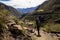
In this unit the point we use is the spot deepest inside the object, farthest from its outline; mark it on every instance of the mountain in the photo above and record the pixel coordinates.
(27, 10)
(48, 7)
(36, 8)
(13, 10)
(42, 5)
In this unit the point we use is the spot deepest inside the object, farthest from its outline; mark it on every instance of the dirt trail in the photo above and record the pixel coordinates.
(44, 36)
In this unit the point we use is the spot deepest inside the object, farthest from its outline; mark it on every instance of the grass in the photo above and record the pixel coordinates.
(52, 27)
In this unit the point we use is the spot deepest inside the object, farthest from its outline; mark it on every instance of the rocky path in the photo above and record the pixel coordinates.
(44, 36)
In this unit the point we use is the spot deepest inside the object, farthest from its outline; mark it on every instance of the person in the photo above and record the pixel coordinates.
(38, 26)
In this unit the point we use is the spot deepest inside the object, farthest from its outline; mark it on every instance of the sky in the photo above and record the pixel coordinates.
(22, 3)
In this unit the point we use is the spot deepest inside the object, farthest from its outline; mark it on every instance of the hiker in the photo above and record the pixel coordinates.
(38, 26)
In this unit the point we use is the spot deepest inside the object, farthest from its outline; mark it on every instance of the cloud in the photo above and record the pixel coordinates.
(23, 3)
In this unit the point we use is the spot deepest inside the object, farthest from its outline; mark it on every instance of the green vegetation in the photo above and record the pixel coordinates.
(51, 27)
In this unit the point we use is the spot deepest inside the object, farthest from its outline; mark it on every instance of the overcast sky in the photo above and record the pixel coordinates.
(22, 3)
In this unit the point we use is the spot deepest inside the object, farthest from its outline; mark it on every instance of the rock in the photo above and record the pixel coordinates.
(18, 26)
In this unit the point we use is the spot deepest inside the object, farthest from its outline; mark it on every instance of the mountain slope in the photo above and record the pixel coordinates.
(13, 10)
(42, 5)
(49, 6)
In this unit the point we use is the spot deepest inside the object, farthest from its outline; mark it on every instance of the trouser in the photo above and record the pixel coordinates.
(38, 29)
